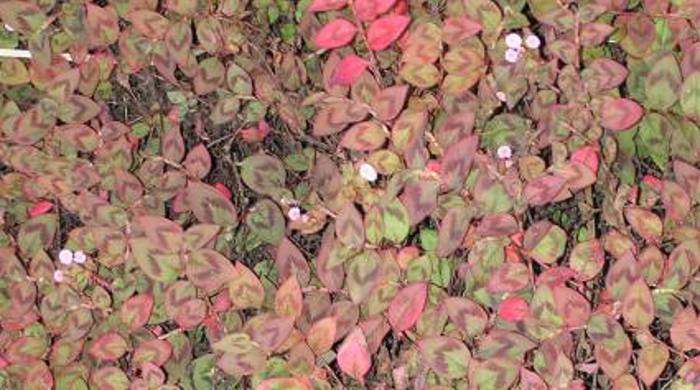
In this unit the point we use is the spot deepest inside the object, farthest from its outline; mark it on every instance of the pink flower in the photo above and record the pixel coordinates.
(504, 152)
(79, 257)
(58, 276)
(368, 172)
(294, 214)
(513, 41)
(65, 256)
(512, 55)
(501, 96)
(532, 41)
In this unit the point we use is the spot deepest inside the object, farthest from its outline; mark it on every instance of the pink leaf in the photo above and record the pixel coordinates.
(349, 69)
(327, 5)
(337, 33)
(368, 10)
(384, 31)
(588, 156)
(407, 306)
(353, 355)
(620, 114)
(513, 309)
(40, 208)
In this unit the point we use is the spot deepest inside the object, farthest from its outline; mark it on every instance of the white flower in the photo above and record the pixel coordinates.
(368, 172)
(294, 214)
(58, 276)
(501, 96)
(532, 41)
(513, 41)
(79, 257)
(512, 55)
(504, 152)
(65, 256)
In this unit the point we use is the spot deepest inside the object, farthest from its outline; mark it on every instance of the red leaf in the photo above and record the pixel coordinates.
(349, 69)
(327, 5)
(620, 114)
(407, 306)
(40, 208)
(353, 355)
(384, 31)
(513, 309)
(588, 156)
(337, 33)
(368, 10)
(223, 190)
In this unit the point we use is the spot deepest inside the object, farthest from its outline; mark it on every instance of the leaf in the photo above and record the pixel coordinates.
(612, 347)
(363, 275)
(326, 5)
(509, 277)
(37, 233)
(210, 75)
(210, 206)
(149, 23)
(246, 290)
(453, 228)
(353, 356)
(652, 361)
(13, 72)
(321, 335)
(396, 221)
(349, 227)
(208, 269)
(603, 74)
(365, 136)
(25, 17)
(337, 116)
(172, 144)
(198, 162)
(663, 83)
(334, 34)
(690, 96)
(513, 309)
(109, 347)
(349, 69)
(545, 242)
(645, 223)
(457, 29)
(102, 25)
(77, 109)
(447, 356)
(620, 114)
(407, 306)
(288, 299)
(164, 234)
(26, 349)
(385, 30)
(457, 161)
(110, 378)
(290, 261)
(264, 174)
(685, 330)
(368, 10)
(389, 102)
(638, 306)
(136, 310)
(265, 219)
(155, 351)
(587, 259)
(225, 110)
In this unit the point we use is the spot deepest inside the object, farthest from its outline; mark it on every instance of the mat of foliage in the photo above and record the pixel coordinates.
(328, 194)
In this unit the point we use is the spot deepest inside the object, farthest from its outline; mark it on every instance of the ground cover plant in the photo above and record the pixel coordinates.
(329, 194)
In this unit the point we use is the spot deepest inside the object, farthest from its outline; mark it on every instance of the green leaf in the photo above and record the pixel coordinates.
(396, 221)
(690, 96)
